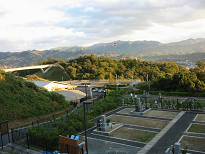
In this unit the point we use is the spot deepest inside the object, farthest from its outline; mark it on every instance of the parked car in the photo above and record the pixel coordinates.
(101, 90)
(95, 90)
(87, 84)
(119, 83)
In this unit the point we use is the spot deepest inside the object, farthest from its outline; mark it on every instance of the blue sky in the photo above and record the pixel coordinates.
(44, 24)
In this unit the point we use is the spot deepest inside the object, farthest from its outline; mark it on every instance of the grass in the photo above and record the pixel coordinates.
(197, 128)
(139, 121)
(43, 118)
(200, 117)
(133, 134)
(54, 74)
(193, 143)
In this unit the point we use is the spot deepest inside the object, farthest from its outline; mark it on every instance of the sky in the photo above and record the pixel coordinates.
(45, 24)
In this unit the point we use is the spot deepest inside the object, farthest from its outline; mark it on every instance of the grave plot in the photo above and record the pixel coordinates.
(153, 113)
(194, 135)
(162, 114)
(126, 111)
(152, 123)
(197, 128)
(134, 134)
(193, 143)
(200, 117)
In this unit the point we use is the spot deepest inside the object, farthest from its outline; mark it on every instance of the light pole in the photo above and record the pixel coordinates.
(85, 127)
(116, 83)
(132, 76)
(86, 92)
(115, 44)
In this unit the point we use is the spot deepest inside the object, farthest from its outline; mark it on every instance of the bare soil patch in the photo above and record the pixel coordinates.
(133, 134)
(126, 111)
(162, 114)
(200, 117)
(153, 113)
(113, 127)
(153, 123)
(193, 143)
(43, 118)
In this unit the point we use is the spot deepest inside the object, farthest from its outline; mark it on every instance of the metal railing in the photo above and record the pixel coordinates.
(22, 138)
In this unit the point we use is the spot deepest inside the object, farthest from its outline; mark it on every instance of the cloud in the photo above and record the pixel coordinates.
(43, 24)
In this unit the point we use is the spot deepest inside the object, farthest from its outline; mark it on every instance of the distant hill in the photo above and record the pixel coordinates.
(125, 49)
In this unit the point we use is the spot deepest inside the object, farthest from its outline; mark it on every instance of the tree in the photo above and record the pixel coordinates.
(71, 72)
(111, 80)
(201, 65)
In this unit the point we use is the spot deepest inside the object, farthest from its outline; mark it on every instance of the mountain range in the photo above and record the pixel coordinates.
(125, 49)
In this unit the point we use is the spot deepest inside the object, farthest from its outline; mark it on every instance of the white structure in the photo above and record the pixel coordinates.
(30, 67)
(53, 85)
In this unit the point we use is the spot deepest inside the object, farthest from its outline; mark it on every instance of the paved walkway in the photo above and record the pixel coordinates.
(158, 137)
(174, 133)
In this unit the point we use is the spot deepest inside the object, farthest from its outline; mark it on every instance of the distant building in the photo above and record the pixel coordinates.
(54, 85)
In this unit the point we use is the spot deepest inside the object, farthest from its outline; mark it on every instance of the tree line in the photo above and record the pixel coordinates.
(158, 75)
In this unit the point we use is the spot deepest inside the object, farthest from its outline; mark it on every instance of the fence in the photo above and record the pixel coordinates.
(21, 137)
(18, 134)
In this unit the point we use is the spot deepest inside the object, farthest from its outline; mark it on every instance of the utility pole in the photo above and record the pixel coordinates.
(115, 44)
(116, 83)
(132, 76)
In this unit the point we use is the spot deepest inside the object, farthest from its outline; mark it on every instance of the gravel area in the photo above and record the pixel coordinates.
(96, 146)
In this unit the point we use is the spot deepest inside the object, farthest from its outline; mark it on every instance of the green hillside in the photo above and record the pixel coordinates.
(54, 74)
(20, 99)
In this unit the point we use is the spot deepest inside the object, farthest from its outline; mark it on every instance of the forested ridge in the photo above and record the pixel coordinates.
(125, 49)
(161, 75)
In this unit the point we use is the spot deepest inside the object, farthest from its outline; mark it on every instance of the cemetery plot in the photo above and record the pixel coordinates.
(153, 113)
(153, 123)
(126, 111)
(162, 114)
(197, 128)
(113, 128)
(134, 134)
(193, 143)
(200, 117)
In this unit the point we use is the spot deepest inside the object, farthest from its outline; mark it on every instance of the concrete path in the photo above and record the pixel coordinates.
(158, 137)
(174, 132)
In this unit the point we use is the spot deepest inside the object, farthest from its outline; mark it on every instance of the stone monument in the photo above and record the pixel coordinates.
(139, 108)
(138, 105)
(144, 95)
